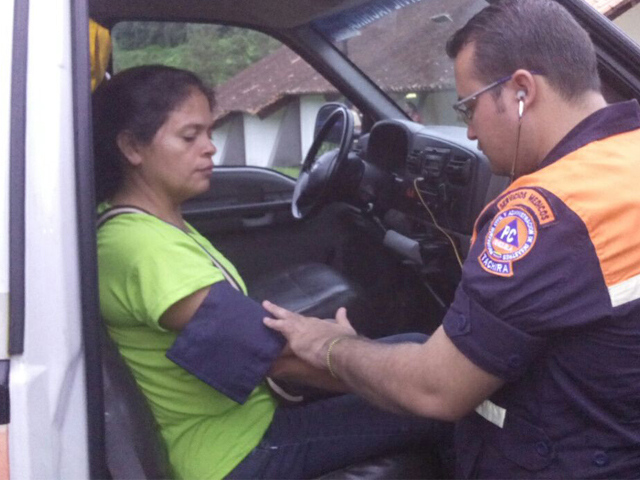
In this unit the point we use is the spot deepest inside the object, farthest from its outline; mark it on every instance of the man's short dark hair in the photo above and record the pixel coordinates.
(537, 35)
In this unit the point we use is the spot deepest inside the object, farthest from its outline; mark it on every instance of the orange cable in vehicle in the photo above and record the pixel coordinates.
(455, 250)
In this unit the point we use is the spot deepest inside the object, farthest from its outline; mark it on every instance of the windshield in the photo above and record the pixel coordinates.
(400, 45)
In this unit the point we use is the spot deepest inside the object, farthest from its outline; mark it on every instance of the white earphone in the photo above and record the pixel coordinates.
(520, 96)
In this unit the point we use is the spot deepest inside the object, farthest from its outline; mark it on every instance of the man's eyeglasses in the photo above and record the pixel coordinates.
(465, 111)
(462, 107)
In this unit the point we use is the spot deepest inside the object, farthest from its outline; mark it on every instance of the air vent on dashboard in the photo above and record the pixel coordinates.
(414, 162)
(459, 170)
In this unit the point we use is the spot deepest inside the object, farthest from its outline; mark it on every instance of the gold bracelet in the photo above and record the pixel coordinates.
(333, 343)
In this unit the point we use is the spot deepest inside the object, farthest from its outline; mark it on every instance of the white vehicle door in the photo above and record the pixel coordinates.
(40, 267)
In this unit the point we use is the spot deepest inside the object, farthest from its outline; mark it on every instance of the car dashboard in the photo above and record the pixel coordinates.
(423, 180)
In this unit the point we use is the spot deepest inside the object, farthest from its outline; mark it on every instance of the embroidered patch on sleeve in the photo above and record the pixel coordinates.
(511, 236)
(529, 198)
(532, 199)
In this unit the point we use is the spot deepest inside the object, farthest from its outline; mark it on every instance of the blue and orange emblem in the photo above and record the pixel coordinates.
(510, 238)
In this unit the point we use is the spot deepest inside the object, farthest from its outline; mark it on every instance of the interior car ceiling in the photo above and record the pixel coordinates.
(259, 13)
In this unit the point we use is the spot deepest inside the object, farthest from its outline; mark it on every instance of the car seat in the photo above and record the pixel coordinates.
(315, 290)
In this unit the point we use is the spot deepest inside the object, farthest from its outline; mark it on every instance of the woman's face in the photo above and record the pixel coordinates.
(177, 164)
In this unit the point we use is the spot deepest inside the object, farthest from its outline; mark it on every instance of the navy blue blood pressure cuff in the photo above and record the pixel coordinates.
(226, 345)
(489, 342)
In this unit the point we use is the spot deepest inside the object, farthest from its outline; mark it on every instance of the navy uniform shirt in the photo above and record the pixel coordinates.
(550, 302)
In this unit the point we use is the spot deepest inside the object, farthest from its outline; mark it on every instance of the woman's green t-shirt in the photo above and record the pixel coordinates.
(145, 266)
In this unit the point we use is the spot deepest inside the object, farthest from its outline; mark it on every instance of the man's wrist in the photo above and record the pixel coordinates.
(330, 349)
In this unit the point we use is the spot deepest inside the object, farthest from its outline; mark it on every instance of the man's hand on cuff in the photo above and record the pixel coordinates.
(309, 338)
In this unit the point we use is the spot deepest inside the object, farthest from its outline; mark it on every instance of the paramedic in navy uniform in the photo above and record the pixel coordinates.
(538, 358)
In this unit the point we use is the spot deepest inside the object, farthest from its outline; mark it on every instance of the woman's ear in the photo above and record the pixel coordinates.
(129, 147)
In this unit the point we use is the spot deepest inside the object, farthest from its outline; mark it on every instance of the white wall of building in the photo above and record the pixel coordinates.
(309, 106)
(629, 21)
(260, 136)
(219, 138)
(437, 108)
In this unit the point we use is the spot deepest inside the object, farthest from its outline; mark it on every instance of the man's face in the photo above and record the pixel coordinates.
(491, 124)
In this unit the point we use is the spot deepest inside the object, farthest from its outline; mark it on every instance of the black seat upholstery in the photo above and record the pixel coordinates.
(134, 447)
(314, 290)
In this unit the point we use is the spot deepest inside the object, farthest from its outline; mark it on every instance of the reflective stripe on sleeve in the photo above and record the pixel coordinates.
(625, 292)
(492, 412)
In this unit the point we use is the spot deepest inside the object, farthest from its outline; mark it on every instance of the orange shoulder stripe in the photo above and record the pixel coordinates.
(601, 184)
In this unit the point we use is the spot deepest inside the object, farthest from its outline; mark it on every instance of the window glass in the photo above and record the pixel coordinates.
(267, 96)
(401, 46)
(628, 19)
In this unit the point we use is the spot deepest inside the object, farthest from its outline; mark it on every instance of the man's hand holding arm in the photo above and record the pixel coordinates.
(433, 380)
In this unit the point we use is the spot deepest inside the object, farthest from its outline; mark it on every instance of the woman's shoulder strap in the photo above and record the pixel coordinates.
(113, 212)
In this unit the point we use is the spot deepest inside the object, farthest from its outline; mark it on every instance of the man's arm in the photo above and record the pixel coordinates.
(433, 380)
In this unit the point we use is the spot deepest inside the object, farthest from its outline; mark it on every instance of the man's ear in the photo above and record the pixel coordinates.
(129, 147)
(525, 86)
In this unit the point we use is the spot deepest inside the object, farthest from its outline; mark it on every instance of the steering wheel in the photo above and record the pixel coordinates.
(318, 174)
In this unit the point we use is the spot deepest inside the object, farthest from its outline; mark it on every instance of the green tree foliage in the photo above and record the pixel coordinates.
(214, 52)
(136, 35)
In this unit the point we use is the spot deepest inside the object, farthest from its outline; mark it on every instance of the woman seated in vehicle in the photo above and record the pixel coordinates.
(178, 311)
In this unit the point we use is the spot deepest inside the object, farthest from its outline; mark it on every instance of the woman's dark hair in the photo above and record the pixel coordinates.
(139, 101)
(537, 35)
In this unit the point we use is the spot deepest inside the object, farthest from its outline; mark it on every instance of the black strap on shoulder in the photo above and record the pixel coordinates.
(113, 212)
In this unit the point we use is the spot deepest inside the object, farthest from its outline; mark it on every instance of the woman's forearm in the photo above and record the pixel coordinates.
(291, 368)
